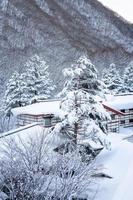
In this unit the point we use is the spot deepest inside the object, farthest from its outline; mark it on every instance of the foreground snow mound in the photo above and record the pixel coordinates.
(118, 164)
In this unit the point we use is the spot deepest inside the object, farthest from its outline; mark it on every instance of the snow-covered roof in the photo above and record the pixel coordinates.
(53, 106)
(120, 102)
(41, 108)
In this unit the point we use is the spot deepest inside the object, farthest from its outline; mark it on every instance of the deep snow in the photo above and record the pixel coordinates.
(116, 162)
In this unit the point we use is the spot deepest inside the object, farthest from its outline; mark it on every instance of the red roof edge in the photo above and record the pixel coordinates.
(113, 110)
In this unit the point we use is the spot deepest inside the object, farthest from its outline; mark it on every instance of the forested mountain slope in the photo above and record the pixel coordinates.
(60, 30)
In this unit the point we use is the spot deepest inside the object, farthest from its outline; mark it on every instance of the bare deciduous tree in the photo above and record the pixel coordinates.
(30, 169)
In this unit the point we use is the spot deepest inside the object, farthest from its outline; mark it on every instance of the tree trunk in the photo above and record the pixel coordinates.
(75, 133)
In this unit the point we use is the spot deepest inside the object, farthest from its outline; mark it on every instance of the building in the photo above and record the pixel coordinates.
(121, 110)
(44, 113)
(47, 113)
(116, 115)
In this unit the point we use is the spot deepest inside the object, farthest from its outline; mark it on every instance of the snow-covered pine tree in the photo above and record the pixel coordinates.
(85, 117)
(12, 95)
(128, 78)
(33, 84)
(112, 79)
(24, 88)
(38, 83)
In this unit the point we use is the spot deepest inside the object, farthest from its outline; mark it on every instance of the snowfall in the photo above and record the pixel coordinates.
(116, 162)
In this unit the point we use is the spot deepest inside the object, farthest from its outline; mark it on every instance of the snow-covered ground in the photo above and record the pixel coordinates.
(127, 133)
(116, 162)
(31, 132)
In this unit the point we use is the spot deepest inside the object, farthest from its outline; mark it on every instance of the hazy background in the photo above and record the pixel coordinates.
(122, 7)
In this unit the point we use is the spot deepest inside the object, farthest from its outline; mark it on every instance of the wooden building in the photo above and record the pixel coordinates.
(120, 108)
(46, 113)
(114, 124)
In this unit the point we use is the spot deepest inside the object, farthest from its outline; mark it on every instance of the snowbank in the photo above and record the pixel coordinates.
(118, 164)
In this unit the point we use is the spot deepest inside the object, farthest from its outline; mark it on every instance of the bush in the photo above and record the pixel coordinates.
(29, 169)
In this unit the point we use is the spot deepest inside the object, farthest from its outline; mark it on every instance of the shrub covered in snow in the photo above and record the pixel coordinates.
(32, 171)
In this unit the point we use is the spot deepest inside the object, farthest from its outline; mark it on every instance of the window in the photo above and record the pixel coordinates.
(112, 116)
(131, 110)
(114, 129)
(47, 122)
(122, 121)
(123, 111)
(130, 120)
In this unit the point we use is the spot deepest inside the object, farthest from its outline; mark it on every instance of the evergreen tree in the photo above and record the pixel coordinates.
(128, 78)
(112, 79)
(38, 84)
(85, 117)
(12, 94)
(25, 89)
(30, 85)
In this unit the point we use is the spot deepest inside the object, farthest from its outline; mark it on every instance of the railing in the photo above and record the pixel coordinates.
(18, 130)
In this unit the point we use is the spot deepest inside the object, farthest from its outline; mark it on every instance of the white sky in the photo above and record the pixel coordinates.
(122, 7)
